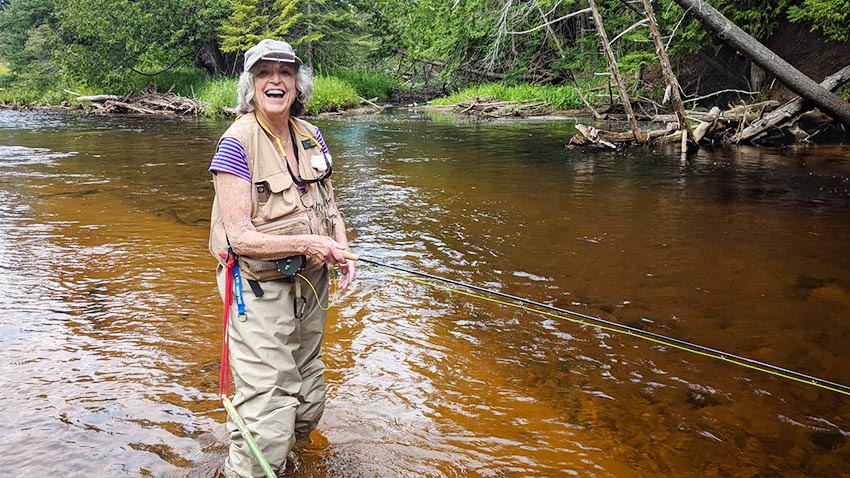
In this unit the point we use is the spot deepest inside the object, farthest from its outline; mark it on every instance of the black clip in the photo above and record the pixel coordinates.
(290, 266)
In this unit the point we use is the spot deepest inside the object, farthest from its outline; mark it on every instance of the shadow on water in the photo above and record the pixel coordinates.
(114, 335)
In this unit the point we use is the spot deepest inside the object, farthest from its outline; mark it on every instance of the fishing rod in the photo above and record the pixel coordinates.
(598, 322)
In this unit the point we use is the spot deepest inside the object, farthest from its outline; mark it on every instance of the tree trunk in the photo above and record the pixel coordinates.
(211, 59)
(788, 110)
(667, 72)
(761, 55)
(612, 63)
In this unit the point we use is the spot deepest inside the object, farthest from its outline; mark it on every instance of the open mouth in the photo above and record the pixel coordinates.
(274, 93)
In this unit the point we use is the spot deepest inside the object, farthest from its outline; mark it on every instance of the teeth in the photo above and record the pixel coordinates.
(274, 92)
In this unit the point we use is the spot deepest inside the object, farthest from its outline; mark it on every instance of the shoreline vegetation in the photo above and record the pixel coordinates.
(697, 72)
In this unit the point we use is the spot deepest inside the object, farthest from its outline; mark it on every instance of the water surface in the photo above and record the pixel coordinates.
(110, 342)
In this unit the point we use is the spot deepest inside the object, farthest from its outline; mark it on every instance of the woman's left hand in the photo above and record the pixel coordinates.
(348, 269)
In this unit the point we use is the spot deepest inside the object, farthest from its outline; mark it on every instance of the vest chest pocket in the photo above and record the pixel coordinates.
(276, 196)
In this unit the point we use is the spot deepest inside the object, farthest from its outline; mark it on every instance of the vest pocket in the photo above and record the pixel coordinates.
(260, 269)
(275, 196)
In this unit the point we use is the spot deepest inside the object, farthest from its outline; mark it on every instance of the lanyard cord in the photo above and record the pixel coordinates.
(279, 144)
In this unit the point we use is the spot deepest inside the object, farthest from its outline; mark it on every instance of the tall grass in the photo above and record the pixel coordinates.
(218, 93)
(331, 94)
(369, 84)
(556, 97)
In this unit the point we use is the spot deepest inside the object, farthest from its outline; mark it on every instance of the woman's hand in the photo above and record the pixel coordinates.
(348, 271)
(325, 249)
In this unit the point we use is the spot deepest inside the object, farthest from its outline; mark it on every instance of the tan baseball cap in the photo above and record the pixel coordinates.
(272, 50)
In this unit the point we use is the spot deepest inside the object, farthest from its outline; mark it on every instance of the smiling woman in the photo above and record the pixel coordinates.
(274, 208)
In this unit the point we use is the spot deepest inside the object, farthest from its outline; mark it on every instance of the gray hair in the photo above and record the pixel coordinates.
(303, 85)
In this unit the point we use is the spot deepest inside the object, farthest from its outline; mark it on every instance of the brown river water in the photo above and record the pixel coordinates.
(111, 333)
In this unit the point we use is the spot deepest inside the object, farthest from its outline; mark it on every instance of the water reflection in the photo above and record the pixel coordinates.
(112, 338)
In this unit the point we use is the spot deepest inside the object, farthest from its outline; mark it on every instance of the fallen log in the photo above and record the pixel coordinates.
(589, 135)
(748, 46)
(99, 98)
(789, 109)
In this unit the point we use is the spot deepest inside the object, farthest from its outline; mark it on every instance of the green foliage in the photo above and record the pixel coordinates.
(104, 46)
(105, 39)
(832, 17)
(25, 27)
(218, 93)
(557, 97)
(180, 81)
(331, 94)
(330, 33)
(759, 18)
(368, 83)
(253, 20)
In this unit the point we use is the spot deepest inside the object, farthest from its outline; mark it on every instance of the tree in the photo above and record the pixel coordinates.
(253, 20)
(105, 39)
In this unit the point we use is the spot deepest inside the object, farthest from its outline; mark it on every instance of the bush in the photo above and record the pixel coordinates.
(219, 93)
(331, 94)
(369, 84)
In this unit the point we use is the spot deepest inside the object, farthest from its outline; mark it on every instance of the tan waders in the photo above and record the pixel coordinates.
(276, 361)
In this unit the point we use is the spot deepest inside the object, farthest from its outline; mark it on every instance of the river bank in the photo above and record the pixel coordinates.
(764, 123)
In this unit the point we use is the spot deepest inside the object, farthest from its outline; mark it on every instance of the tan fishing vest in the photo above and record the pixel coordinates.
(278, 206)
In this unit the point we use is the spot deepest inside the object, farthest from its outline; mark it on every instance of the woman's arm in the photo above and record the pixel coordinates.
(234, 195)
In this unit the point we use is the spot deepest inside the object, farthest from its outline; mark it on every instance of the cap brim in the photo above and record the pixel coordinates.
(280, 57)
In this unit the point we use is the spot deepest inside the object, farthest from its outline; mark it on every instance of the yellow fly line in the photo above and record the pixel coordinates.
(718, 356)
(591, 321)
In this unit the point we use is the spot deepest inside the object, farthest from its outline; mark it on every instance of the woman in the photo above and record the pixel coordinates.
(274, 215)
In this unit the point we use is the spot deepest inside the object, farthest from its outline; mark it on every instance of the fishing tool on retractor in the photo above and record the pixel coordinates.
(603, 324)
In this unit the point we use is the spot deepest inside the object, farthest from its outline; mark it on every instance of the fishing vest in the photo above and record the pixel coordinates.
(277, 204)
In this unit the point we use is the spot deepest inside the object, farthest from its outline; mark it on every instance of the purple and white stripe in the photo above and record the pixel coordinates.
(321, 141)
(230, 158)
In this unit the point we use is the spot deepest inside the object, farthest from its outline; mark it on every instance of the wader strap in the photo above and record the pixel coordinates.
(255, 287)
(300, 302)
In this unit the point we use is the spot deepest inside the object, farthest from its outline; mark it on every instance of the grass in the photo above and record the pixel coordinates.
(369, 84)
(332, 94)
(557, 97)
(218, 93)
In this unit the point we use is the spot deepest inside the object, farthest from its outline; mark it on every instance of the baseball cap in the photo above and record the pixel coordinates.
(272, 50)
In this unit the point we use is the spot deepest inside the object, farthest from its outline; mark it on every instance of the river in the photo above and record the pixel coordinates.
(110, 340)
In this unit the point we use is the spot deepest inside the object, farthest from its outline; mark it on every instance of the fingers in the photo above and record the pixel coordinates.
(325, 249)
(348, 272)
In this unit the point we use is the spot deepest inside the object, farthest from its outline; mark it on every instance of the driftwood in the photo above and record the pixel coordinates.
(787, 111)
(99, 98)
(149, 104)
(791, 77)
(490, 108)
(591, 136)
(716, 126)
(371, 103)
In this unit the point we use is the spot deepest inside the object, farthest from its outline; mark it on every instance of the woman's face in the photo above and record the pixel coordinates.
(274, 86)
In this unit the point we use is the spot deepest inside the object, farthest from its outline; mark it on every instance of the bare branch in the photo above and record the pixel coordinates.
(694, 100)
(641, 22)
(586, 10)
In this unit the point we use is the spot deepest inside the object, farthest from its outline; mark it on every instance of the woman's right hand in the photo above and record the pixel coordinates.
(325, 249)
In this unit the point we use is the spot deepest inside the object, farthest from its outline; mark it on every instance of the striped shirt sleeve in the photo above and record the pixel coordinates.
(230, 158)
(321, 141)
